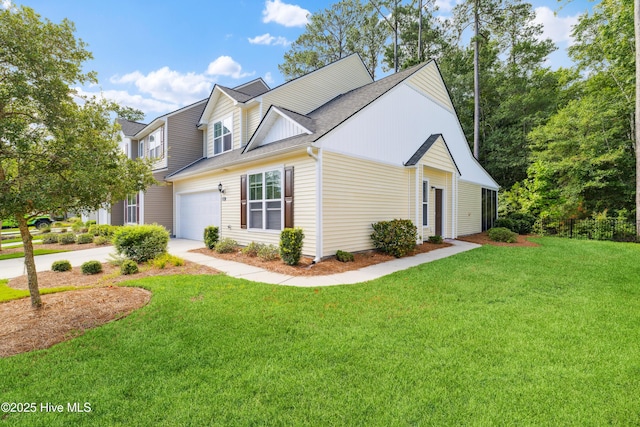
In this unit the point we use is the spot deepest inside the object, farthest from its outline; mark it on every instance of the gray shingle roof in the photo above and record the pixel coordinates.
(254, 88)
(424, 148)
(236, 95)
(323, 120)
(130, 128)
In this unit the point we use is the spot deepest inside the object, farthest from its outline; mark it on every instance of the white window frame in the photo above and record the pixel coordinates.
(221, 137)
(264, 201)
(425, 186)
(131, 208)
(156, 145)
(141, 148)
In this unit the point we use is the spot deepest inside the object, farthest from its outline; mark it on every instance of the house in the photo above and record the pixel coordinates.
(333, 152)
(171, 141)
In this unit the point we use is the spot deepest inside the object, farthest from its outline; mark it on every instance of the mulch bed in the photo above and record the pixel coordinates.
(483, 239)
(327, 266)
(53, 246)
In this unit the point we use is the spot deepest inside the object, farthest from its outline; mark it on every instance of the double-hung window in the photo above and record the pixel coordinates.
(265, 200)
(132, 209)
(222, 135)
(156, 145)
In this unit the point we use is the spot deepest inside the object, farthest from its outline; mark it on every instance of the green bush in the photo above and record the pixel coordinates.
(252, 249)
(211, 236)
(268, 252)
(62, 265)
(436, 240)
(77, 225)
(93, 229)
(226, 245)
(141, 242)
(101, 240)
(85, 238)
(291, 245)
(90, 222)
(343, 256)
(104, 230)
(48, 239)
(44, 229)
(397, 237)
(66, 238)
(91, 267)
(128, 266)
(502, 234)
(518, 222)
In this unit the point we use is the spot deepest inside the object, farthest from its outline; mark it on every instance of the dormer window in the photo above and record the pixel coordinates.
(156, 145)
(222, 135)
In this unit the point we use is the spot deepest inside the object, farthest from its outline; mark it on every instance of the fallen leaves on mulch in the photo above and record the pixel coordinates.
(483, 239)
(327, 266)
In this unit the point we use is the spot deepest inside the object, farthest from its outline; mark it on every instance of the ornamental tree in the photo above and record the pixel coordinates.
(58, 152)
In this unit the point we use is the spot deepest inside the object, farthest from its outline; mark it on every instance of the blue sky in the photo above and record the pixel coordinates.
(161, 55)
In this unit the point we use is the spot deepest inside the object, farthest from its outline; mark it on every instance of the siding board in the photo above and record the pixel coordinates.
(469, 208)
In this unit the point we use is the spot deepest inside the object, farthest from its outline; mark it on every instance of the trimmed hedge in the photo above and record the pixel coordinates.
(502, 234)
(66, 238)
(211, 236)
(436, 240)
(91, 267)
(141, 242)
(48, 239)
(84, 238)
(343, 256)
(226, 246)
(396, 237)
(128, 266)
(291, 245)
(60, 266)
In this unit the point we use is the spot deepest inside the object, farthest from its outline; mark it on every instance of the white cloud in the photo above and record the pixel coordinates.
(226, 66)
(6, 4)
(147, 105)
(268, 39)
(445, 5)
(167, 85)
(556, 28)
(268, 78)
(289, 15)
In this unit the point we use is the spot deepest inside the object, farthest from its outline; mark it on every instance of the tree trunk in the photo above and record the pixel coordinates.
(476, 82)
(29, 262)
(636, 20)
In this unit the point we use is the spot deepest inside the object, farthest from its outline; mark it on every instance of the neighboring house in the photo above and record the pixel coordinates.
(333, 152)
(171, 141)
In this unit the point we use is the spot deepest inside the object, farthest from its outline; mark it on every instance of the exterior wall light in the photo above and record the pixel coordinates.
(220, 189)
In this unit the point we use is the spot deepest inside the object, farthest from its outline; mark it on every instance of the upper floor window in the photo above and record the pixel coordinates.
(141, 148)
(156, 145)
(222, 135)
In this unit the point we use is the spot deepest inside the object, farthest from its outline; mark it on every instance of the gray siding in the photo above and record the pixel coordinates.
(183, 138)
(158, 204)
(117, 213)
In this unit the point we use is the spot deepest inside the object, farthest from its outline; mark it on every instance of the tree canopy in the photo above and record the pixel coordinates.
(53, 145)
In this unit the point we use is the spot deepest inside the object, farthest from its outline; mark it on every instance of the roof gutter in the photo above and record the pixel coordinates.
(318, 160)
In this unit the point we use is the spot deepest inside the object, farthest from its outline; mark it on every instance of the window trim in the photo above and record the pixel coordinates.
(264, 200)
(213, 135)
(128, 206)
(425, 182)
(158, 144)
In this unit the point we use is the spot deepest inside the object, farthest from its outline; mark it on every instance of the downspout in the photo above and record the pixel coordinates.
(318, 159)
(418, 222)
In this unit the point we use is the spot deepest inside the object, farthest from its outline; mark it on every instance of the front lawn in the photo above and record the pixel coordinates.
(542, 335)
(36, 252)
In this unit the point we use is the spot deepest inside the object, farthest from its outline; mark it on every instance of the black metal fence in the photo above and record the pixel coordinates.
(594, 229)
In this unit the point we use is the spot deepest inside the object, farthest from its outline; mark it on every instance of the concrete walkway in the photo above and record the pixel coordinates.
(181, 248)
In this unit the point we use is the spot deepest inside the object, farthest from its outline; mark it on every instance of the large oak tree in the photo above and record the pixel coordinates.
(57, 152)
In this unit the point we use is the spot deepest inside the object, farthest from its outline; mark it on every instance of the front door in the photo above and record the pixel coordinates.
(439, 215)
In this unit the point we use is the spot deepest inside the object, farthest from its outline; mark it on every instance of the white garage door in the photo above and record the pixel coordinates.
(197, 211)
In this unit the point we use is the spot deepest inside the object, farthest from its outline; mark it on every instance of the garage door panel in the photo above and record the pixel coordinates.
(197, 211)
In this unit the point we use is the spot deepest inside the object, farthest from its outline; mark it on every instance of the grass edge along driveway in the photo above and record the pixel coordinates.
(545, 335)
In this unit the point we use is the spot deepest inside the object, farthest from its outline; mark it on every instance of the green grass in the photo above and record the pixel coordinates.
(519, 336)
(36, 252)
(8, 294)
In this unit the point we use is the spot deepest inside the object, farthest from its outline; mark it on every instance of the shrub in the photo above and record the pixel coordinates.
(141, 242)
(46, 228)
(436, 240)
(128, 266)
(291, 245)
(397, 237)
(62, 265)
(161, 261)
(518, 222)
(226, 246)
(502, 234)
(343, 256)
(211, 236)
(268, 252)
(91, 267)
(50, 238)
(252, 249)
(77, 225)
(101, 240)
(93, 229)
(85, 238)
(104, 230)
(90, 222)
(66, 238)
